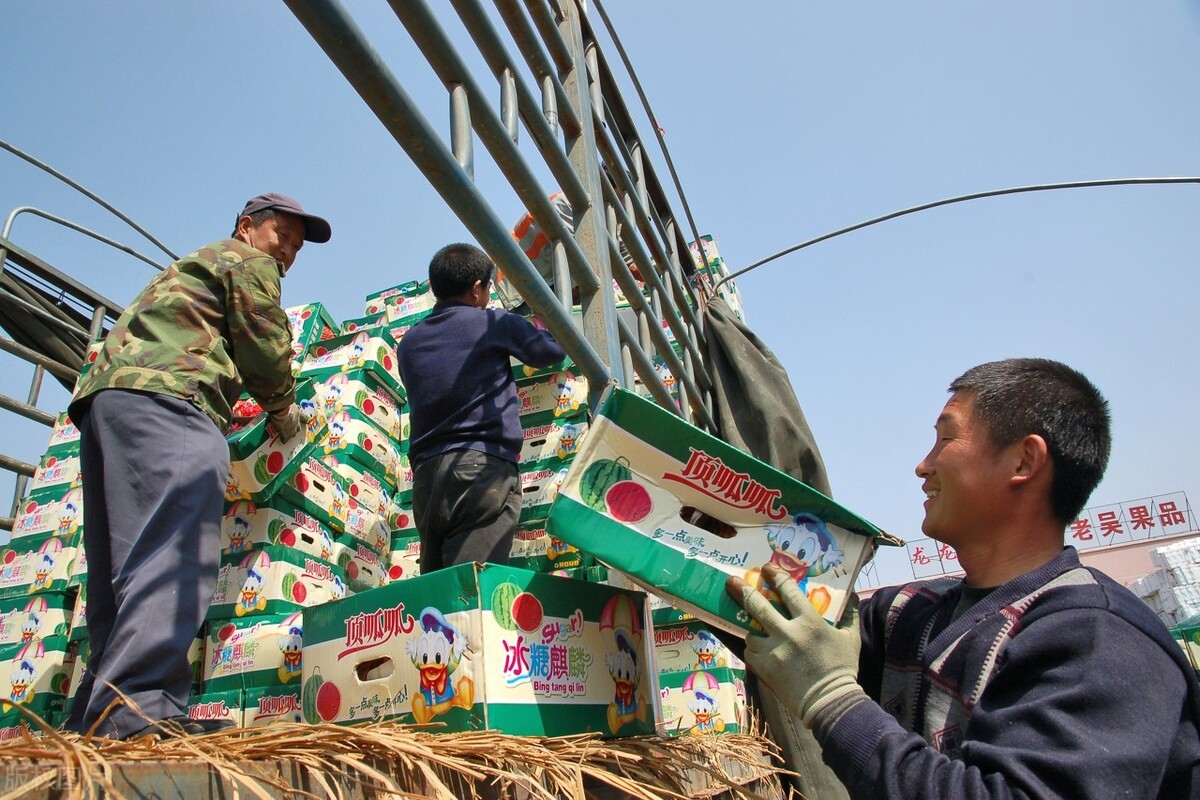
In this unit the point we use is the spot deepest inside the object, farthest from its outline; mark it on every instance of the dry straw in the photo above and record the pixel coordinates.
(383, 759)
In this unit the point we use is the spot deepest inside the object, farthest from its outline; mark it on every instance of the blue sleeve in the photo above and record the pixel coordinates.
(1084, 706)
(529, 345)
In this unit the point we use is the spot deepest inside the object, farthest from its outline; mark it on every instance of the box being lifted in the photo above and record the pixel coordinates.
(679, 511)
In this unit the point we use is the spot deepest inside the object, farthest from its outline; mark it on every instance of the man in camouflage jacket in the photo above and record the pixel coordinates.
(152, 412)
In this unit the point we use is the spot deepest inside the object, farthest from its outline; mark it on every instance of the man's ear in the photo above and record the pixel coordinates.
(244, 225)
(1032, 456)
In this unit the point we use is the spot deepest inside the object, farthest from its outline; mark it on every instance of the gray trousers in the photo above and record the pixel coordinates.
(465, 505)
(154, 470)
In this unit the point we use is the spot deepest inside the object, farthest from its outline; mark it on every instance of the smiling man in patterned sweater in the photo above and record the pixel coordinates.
(1032, 676)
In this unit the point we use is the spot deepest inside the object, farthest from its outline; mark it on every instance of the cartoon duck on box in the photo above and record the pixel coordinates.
(437, 654)
(251, 598)
(801, 548)
(568, 443)
(704, 704)
(621, 626)
(292, 646)
(706, 646)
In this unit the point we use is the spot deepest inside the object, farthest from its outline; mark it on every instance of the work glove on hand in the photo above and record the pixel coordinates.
(810, 665)
(287, 423)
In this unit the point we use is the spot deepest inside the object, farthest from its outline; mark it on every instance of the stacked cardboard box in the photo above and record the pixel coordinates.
(1172, 590)
(702, 682)
(484, 646)
(37, 594)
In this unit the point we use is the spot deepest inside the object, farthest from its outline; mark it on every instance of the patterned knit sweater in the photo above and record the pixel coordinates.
(1059, 683)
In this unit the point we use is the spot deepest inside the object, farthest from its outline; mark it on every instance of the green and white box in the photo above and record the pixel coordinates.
(223, 706)
(684, 643)
(23, 619)
(64, 436)
(269, 705)
(680, 511)
(560, 395)
(273, 580)
(361, 391)
(60, 516)
(248, 652)
(310, 323)
(703, 702)
(249, 526)
(36, 564)
(260, 462)
(484, 646)
(373, 350)
(556, 441)
(539, 486)
(57, 474)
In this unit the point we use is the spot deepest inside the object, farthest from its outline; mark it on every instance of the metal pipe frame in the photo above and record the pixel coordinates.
(599, 165)
(78, 229)
(347, 47)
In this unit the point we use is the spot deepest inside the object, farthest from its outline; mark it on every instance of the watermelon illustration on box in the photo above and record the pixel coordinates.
(679, 511)
(483, 646)
(703, 702)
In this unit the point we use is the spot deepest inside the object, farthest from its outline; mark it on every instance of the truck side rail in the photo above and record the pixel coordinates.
(584, 134)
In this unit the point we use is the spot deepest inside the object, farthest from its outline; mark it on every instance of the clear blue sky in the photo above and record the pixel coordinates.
(785, 120)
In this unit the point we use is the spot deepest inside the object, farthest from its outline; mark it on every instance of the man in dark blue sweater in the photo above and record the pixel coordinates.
(465, 432)
(1031, 676)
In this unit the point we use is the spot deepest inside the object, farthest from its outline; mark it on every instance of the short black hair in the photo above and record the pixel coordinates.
(257, 218)
(454, 269)
(1021, 396)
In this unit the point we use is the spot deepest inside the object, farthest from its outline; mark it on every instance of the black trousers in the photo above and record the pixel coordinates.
(154, 470)
(465, 504)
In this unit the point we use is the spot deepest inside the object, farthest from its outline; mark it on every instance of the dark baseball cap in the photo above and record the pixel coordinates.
(316, 229)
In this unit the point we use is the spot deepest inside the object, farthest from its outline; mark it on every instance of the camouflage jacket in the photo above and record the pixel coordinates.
(202, 330)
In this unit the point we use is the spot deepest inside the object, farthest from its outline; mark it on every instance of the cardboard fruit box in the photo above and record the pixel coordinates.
(23, 619)
(61, 516)
(483, 646)
(703, 702)
(35, 674)
(248, 652)
(539, 486)
(679, 511)
(361, 391)
(57, 474)
(555, 441)
(260, 462)
(273, 580)
(249, 526)
(353, 437)
(36, 564)
(534, 549)
(404, 558)
(560, 395)
(64, 437)
(372, 350)
(310, 323)
(684, 643)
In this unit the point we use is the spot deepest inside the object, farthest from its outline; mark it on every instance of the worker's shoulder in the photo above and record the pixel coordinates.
(227, 253)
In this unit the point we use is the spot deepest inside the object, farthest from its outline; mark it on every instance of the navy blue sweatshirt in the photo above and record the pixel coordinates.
(456, 368)
(1060, 683)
